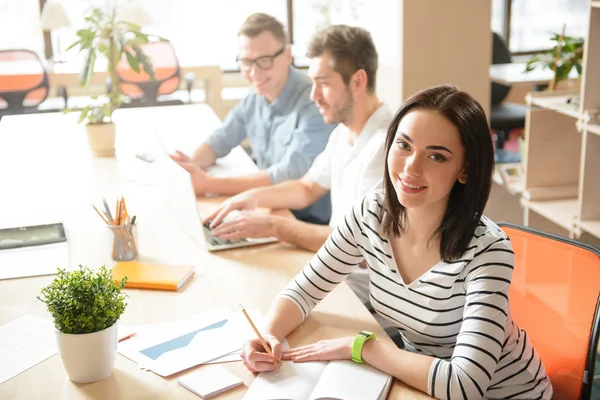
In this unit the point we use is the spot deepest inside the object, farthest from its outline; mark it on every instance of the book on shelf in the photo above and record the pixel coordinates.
(513, 174)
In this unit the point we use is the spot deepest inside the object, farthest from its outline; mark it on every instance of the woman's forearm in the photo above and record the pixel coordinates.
(410, 368)
(284, 317)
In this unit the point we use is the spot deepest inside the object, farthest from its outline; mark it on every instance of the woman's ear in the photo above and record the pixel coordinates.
(462, 178)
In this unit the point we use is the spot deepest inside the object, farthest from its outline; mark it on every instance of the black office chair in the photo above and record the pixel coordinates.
(504, 116)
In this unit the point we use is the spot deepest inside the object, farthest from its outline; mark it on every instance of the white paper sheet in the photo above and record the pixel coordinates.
(33, 261)
(25, 342)
(206, 347)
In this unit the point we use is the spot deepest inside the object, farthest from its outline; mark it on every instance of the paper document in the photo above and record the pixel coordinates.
(209, 382)
(24, 343)
(214, 336)
(33, 261)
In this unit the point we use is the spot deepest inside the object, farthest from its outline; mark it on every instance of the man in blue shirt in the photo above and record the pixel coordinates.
(284, 127)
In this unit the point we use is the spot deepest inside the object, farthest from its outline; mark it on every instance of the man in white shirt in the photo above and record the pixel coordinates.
(342, 68)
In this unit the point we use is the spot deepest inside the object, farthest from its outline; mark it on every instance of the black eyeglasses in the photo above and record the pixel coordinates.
(264, 62)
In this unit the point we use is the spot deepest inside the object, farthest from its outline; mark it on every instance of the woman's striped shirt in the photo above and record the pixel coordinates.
(457, 312)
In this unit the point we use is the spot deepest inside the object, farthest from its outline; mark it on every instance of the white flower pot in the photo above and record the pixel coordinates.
(88, 357)
(102, 139)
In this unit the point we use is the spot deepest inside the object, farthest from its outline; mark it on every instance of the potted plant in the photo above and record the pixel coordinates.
(562, 58)
(110, 38)
(85, 306)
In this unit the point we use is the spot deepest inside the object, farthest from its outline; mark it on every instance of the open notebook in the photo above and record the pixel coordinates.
(338, 380)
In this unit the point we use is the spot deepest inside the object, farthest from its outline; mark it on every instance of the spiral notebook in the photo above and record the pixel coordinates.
(209, 382)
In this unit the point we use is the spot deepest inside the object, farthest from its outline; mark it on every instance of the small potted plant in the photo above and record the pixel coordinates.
(561, 59)
(85, 306)
(110, 38)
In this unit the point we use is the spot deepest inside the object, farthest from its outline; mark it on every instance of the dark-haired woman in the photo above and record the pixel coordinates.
(439, 270)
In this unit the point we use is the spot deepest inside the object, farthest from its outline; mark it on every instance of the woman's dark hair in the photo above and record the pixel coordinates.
(467, 201)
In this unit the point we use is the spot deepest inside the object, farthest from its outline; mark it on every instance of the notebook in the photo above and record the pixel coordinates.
(209, 382)
(152, 276)
(338, 380)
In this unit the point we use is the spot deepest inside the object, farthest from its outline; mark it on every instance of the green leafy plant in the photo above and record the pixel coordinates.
(84, 300)
(562, 58)
(106, 36)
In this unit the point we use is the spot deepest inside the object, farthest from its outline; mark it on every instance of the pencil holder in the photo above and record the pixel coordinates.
(124, 242)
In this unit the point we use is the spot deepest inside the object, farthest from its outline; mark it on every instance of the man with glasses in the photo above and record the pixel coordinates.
(284, 127)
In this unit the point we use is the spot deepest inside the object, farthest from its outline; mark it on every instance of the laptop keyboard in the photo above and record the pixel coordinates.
(217, 241)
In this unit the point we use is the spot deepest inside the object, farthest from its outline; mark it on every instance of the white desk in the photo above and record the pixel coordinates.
(514, 73)
(47, 172)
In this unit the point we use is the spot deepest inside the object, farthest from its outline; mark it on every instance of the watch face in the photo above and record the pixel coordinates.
(26, 236)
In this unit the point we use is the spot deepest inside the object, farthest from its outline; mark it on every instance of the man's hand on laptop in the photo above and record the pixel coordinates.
(247, 224)
(180, 157)
(243, 201)
(201, 180)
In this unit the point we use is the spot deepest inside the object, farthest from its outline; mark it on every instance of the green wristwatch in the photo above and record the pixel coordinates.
(358, 343)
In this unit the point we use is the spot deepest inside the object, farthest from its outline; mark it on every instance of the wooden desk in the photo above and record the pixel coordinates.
(47, 168)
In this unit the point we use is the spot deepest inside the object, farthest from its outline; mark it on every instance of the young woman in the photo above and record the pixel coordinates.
(439, 270)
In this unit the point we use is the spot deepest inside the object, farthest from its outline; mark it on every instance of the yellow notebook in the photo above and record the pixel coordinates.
(152, 276)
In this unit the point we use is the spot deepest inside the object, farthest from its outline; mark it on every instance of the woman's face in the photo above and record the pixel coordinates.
(425, 160)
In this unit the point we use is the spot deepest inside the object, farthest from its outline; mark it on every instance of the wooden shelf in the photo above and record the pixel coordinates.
(561, 212)
(593, 128)
(591, 227)
(595, 4)
(551, 193)
(555, 102)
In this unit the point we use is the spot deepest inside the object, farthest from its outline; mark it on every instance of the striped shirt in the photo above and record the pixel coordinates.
(457, 312)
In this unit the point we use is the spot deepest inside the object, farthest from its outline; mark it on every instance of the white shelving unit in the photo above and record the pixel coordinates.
(562, 156)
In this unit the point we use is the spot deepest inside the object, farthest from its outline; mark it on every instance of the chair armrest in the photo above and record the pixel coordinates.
(61, 91)
(190, 77)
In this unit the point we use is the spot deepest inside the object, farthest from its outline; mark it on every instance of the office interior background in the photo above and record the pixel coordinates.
(420, 43)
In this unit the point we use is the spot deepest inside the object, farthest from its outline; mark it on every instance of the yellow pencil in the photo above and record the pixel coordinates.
(262, 340)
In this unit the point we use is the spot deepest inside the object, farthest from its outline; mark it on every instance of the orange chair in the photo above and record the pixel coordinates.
(554, 297)
(140, 88)
(23, 81)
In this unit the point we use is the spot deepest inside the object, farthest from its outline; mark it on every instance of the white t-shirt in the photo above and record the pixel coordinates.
(352, 171)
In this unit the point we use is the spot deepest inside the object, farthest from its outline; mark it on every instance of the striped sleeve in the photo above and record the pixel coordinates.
(336, 259)
(468, 373)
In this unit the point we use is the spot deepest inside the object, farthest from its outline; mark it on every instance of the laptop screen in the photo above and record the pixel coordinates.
(176, 186)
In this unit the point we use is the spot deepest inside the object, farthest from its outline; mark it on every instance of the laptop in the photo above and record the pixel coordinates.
(181, 204)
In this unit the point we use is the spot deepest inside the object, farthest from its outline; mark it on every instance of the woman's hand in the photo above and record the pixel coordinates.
(256, 359)
(324, 350)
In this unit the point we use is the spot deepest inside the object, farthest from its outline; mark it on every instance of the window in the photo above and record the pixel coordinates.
(20, 25)
(532, 22)
(201, 32)
(311, 15)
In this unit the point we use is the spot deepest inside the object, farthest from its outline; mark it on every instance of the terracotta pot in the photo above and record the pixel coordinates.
(102, 139)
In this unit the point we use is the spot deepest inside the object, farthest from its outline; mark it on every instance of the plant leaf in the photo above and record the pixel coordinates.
(85, 33)
(131, 25)
(133, 62)
(144, 60)
(73, 45)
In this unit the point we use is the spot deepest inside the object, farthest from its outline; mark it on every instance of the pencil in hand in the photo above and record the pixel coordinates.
(260, 338)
